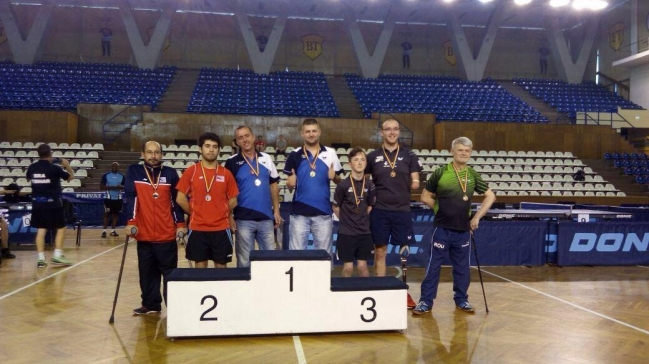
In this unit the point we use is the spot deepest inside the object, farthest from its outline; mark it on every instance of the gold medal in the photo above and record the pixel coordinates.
(208, 187)
(393, 164)
(357, 198)
(312, 174)
(459, 180)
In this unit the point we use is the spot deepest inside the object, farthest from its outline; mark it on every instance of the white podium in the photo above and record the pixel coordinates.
(283, 292)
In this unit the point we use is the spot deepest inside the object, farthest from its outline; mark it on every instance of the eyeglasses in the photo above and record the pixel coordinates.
(390, 129)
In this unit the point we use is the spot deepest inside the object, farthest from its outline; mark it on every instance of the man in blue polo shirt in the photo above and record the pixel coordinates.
(257, 213)
(112, 182)
(310, 169)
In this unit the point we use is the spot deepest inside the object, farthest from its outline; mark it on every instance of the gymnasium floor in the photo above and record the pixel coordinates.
(537, 315)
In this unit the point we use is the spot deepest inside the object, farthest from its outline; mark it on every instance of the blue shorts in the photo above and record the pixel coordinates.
(394, 227)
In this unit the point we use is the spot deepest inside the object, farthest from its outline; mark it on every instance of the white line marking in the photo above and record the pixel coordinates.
(301, 359)
(642, 266)
(570, 303)
(57, 273)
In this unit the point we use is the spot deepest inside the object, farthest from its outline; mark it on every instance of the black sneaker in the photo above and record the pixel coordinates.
(103, 235)
(143, 311)
(114, 233)
(466, 307)
(6, 254)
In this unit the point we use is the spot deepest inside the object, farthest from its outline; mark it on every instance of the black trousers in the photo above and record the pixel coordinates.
(155, 260)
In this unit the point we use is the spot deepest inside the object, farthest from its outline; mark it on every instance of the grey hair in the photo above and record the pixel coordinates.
(462, 140)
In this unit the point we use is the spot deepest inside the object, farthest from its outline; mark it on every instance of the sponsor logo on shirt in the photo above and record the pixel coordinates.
(400, 158)
(163, 179)
(220, 178)
(379, 158)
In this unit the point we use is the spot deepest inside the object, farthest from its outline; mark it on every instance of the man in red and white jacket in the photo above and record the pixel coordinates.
(150, 191)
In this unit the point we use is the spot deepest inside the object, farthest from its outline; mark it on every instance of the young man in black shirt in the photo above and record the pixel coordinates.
(353, 201)
(47, 203)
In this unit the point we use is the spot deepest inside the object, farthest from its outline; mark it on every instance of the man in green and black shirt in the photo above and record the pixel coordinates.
(448, 191)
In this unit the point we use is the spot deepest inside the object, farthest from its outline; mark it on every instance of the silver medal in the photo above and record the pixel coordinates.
(257, 182)
(208, 198)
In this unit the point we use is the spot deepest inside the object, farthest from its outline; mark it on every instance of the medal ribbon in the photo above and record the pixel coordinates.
(154, 185)
(356, 199)
(391, 163)
(315, 157)
(255, 171)
(209, 187)
(466, 178)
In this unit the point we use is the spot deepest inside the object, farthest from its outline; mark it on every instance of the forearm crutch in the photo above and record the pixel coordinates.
(475, 251)
(121, 269)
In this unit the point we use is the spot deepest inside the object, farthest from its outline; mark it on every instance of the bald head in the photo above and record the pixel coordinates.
(152, 153)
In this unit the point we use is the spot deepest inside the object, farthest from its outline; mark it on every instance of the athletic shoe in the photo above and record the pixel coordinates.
(466, 307)
(41, 264)
(62, 260)
(6, 254)
(410, 303)
(143, 311)
(114, 233)
(103, 235)
(421, 308)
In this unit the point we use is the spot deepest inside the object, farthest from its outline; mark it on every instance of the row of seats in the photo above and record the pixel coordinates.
(23, 182)
(20, 172)
(279, 93)
(625, 156)
(448, 97)
(26, 162)
(61, 86)
(635, 165)
(56, 154)
(73, 146)
(572, 98)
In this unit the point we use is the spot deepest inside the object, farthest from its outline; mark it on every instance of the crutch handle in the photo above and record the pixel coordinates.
(134, 231)
(181, 234)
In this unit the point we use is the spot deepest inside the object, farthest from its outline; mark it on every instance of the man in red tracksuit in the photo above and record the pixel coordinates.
(151, 206)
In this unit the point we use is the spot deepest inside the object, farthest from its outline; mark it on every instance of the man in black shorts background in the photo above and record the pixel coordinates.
(112, 182)
(47, 203)
(353, 201)
(395, 172)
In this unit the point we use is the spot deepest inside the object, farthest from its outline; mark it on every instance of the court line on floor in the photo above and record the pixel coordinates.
(299, 351)
(57, 273)
(642, 266)
(569, 303)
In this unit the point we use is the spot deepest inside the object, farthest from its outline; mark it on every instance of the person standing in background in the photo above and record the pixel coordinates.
(47, 202)
(113, 183)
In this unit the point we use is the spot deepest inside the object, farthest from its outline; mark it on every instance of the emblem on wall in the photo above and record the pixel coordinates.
(616, 36)
(312, 46)
(449, 53)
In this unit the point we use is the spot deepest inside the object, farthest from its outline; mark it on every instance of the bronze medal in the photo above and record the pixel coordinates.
(393, 164)
(465, 198)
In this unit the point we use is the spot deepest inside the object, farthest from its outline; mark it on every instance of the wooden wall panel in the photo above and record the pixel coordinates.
(45, 126)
